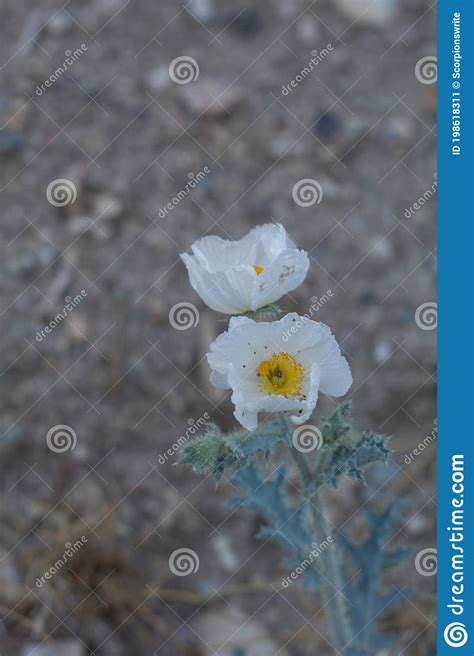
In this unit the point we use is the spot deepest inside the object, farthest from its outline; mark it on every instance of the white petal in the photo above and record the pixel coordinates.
(282, 276)
(222, 272)
(216, 254)
(336, 377)
(226, 292)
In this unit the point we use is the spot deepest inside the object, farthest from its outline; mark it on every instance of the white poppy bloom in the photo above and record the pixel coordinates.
(235, 277)
(277, 366)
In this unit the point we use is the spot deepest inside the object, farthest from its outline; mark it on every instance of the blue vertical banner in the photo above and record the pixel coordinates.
(456, 327)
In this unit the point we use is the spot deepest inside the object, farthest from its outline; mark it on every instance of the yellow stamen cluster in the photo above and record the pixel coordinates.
(281, 374)
(258, 269)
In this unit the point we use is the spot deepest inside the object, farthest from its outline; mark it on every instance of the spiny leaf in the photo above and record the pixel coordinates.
(351, 459)
(285, 523)
(337, 428)
(216, 451)
(371, 561)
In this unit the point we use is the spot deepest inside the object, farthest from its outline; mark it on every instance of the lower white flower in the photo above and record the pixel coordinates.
(271, 367)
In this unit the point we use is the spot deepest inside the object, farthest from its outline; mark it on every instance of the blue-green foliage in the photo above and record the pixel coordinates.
(340, 454)
(351, 459)
(370, 560)
(216, 451)
(285, 523)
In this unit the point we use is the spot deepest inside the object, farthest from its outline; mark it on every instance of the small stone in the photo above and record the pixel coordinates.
(158, 79)
(11, 143)
(308, 29)
(211, 98)
(397, 129)
(59, 24)
(382, 351)
(231, 631)
(77, 328)
(23, 264)
(248, 23)
(107, 207)
(327, 125)
(368, 12)
(84, 225)
(202, 10)
(380, 247)
(9, 578)
(225, 553)
(108, 6)
(67, 647)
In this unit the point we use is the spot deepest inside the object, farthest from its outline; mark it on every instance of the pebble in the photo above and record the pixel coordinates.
(376, 13)
(308, 30)
(59, 24)
(84, 225)
(226, 555)
(9, 578)
(327, 125)
(202, 10)
(204, 97)
(245, 24)
(158, 79)
(68, 647)
(380, 248)
(109, 6)
(382, 352)
(107, 207)
(397, 129)
(11, 143)
(231, 631)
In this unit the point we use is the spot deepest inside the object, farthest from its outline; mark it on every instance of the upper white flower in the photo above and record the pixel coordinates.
(239, 276)
(277, 366)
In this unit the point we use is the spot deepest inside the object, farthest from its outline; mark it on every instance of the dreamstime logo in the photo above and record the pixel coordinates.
(307, 438)
(307, 192)
(455, 634)
(61, 438)
(183, 316)
(426, 316)
(183, 70)
(426, 69)
(61, 192)
(183, 562)
(426, 562)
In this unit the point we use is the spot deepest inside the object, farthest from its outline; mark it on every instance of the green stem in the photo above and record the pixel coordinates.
(334, 600)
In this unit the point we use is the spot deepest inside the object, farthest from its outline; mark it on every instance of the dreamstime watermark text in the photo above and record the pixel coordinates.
(193, 181)
(71, 549)
(316, 551)
(317, 56)
(71, 303)
(69, 60)
(317, 302)
(193, 427)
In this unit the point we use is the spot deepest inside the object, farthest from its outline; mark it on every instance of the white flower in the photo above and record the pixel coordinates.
(239, 276)
(277, 366)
